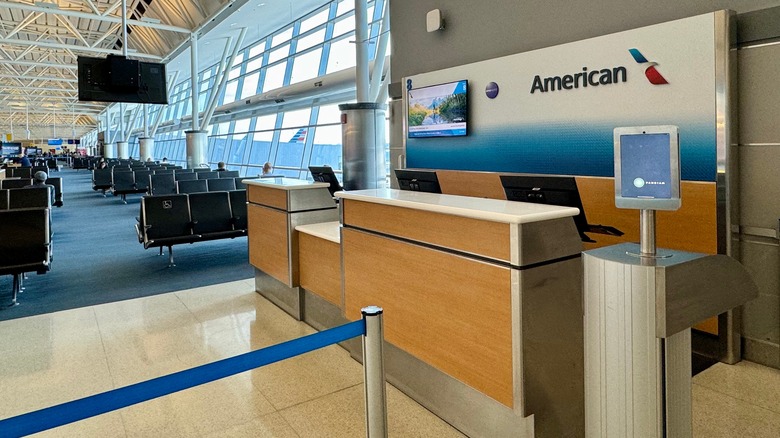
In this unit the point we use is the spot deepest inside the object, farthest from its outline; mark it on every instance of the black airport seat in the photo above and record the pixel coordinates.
(56, 182)
(142, 179)
(178, 171)
(220, 185)
(189, 176)
(123, 184)
(162, 184)
(51, 164)
(201, 169)
(15, 183)
(194, 186)
(238, 209)
(165, 221)
(163, 172)
(211, 216)
(239, 182)
(26, 244)
(3, 199)
(228, 174)
(21, 172)
(38, 169)
(101, 179)
(80, 163)
(207, 175)
(35, 197)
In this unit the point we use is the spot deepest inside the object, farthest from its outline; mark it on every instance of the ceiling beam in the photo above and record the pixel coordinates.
(103, 17)
(15, 87)
(52, 45)
(40, 78)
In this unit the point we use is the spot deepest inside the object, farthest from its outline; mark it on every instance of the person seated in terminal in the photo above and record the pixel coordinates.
(165, 160)
(221, 166)
(267, 168)
(102, 164)
(149, 160)
(39, 180)
(23, 160)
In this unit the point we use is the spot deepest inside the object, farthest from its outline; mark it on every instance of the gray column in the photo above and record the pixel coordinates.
(146, 146)
(197, 143)
(109, 150)
(363, 145)
(122, 150)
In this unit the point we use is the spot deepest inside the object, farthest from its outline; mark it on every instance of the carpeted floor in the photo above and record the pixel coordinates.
(97, 257)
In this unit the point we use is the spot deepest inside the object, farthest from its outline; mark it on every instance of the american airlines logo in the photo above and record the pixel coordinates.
(651, 72)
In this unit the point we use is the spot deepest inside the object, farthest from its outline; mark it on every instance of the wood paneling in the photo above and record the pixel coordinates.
(476, 184)
(268, 242)
(691, 228)
(490, 239)
(272, 197)
(449, 311)
(319, 263)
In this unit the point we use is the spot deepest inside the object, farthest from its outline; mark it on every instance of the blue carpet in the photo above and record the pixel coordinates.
(97, 257)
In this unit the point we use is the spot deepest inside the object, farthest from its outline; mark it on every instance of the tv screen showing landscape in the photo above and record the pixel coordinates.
(438, 110)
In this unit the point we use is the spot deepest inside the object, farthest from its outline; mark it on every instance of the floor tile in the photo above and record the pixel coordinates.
(306, 377)
(267, 426)
(109, 425)
(198, 411)
(716, 415)
(341, 414)
(746, 381)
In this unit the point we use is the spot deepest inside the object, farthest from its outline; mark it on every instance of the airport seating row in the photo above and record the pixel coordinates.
(26, 238)
(164, 182)
(18, 183)
(168, 220)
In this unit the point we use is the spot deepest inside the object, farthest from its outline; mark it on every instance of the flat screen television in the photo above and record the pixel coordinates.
(118, 79)
(10, 149)
(553, 190)
(418, 180)
(438, 110)
(325, 174)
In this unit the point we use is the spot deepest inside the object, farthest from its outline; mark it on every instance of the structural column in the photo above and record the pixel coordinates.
(197, 142)
(122, 150)
(109, 150)
(147, 148)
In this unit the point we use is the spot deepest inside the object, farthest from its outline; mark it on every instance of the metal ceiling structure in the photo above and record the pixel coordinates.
(41, 40)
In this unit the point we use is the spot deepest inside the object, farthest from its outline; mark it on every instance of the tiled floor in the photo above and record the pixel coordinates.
(53, 358)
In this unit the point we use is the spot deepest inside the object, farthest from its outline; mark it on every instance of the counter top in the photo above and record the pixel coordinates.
(326, 230)
(477, 208)
(285, 183)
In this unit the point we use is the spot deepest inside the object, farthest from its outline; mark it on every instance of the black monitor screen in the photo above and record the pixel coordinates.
(551, 190)
(325, 174)
(13, 149)
(418, 180)
(117, 79)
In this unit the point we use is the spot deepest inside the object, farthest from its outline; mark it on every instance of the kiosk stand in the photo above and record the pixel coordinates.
(639, 303)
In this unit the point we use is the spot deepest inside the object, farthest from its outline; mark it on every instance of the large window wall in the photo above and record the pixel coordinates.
(316, 44)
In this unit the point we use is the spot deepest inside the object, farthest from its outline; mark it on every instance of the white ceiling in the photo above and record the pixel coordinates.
(41, 40)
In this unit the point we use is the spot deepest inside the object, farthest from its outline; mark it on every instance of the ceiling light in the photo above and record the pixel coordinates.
(49, 5)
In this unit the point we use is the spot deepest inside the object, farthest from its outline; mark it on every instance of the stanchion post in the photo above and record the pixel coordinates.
(374, 373)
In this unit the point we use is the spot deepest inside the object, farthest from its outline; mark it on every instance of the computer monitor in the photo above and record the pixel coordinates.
(553, 190)
(418, 180)
(325, 174)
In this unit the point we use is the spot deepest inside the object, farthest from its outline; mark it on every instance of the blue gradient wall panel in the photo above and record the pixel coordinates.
(555, 108)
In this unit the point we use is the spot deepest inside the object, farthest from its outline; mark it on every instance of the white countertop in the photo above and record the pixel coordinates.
(325, 230)
(285, 183)
(476, 208)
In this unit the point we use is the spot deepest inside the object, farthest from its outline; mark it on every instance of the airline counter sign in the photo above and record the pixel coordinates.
(597, 77)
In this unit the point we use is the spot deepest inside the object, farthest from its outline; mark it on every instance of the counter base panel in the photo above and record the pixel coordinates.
(450, 311)
(269, 242)
(319, 264)
(289, 299)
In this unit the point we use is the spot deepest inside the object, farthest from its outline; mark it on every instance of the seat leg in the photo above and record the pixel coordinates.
(15, 290)
(20, 282)
(161, 250)
(124, 198)
(170, 257)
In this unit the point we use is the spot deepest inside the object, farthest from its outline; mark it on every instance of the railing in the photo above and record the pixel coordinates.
(370, 328)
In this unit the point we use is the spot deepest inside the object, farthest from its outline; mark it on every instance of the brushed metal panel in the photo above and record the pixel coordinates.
(310, 199)
(289, 299)
(759, 185)
(759, 96)
(678, 386)
(552, 343)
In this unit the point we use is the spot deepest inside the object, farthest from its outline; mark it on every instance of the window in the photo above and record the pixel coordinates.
(274, 77)
(279, 53)
(342, 55)
(314, 21)
(282, 36)
(346, 24)
(249, 88)
(306, 66)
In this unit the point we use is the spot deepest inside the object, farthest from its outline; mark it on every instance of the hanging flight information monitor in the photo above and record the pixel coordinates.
(647, 168)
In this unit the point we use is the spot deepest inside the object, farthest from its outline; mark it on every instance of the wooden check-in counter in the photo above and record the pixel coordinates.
(275, 207)
(483, 305)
